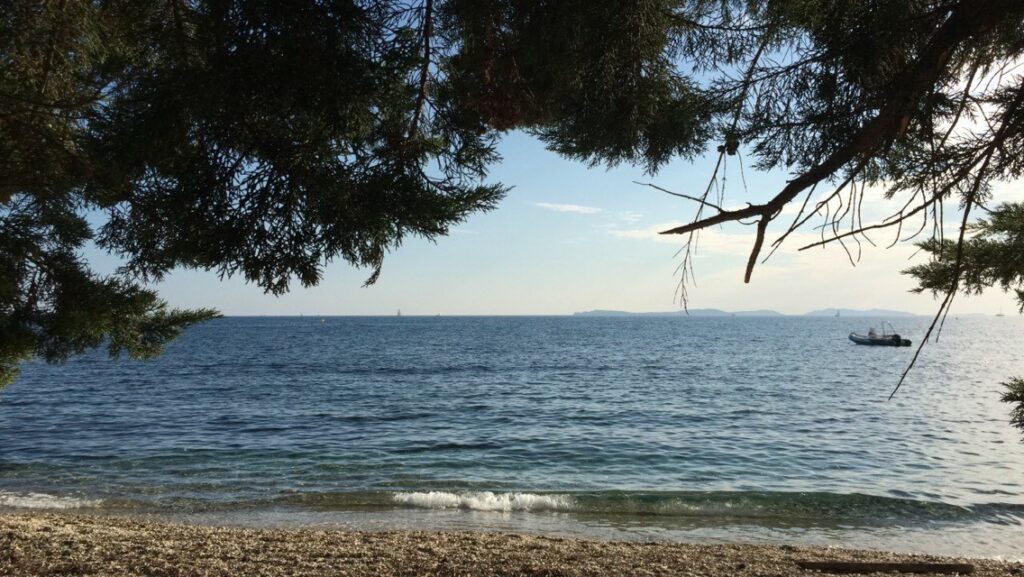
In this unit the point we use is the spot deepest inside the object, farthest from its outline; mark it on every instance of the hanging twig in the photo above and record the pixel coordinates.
(680, 195)
(994, 144)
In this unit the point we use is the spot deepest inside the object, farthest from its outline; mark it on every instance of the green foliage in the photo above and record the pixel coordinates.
(992, 256)
(269, 153)
(54, 307)
(596, 81)
(247, 137)
(58, 59)
(1015, 394)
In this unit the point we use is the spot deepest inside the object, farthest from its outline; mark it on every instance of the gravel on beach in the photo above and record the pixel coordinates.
(64, 544)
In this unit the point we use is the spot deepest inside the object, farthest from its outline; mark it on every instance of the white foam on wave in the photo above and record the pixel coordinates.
(43, 501)
(485, 501)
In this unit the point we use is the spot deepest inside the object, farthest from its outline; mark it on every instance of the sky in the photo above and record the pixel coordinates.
(570, 238)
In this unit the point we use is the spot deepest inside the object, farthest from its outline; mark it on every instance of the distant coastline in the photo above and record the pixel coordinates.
(885, 313)
(767, 313)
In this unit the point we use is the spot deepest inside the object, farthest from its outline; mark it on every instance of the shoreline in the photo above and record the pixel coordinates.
(75, 544)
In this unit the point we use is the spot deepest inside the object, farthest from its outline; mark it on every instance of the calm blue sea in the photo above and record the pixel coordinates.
(699, 429)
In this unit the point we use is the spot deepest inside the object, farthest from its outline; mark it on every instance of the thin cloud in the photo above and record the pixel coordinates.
(711, 240)
(648, 233)
(1007, 192)
(571, 208)
(630, 217)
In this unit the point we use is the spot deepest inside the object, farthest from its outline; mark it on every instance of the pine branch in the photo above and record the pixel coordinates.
(421, 97)
(970, 19)
(994, 144)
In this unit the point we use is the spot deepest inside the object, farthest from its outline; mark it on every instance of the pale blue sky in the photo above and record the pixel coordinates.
(570, 238)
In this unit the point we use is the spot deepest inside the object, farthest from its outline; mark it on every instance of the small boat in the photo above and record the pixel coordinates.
(888, 338)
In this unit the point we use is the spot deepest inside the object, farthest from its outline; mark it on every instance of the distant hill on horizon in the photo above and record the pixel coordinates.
(691, 312)
(884, 313)
(859, 313)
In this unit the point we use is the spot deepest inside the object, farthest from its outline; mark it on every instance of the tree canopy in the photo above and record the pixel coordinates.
(266, 139)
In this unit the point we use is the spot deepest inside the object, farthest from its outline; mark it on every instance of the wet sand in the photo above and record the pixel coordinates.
(64, 544)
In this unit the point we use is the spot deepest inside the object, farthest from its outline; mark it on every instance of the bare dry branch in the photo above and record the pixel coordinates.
(680, 195)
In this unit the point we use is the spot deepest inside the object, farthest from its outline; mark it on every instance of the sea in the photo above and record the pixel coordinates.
(680, 428)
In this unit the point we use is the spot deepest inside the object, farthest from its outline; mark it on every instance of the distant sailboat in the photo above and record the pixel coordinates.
(399, 313)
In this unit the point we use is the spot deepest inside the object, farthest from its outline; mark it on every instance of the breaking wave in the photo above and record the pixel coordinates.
(44, 501)
(793, 507)
(485, 501)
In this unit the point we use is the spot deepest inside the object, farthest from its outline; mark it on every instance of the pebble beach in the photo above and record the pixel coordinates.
(64, 544)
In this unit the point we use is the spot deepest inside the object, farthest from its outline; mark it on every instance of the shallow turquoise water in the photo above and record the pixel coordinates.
(753, 429)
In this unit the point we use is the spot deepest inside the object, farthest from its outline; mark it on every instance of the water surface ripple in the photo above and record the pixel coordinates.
(755, 429)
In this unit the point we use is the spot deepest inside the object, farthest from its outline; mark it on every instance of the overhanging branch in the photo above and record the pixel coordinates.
(421, 96)
(969, 19)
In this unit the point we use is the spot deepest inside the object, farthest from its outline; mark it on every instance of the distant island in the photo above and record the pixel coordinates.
(859, 313)
(691, 312)
(885, 313)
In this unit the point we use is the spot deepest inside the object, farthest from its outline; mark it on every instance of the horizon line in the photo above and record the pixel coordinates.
(594, 312)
